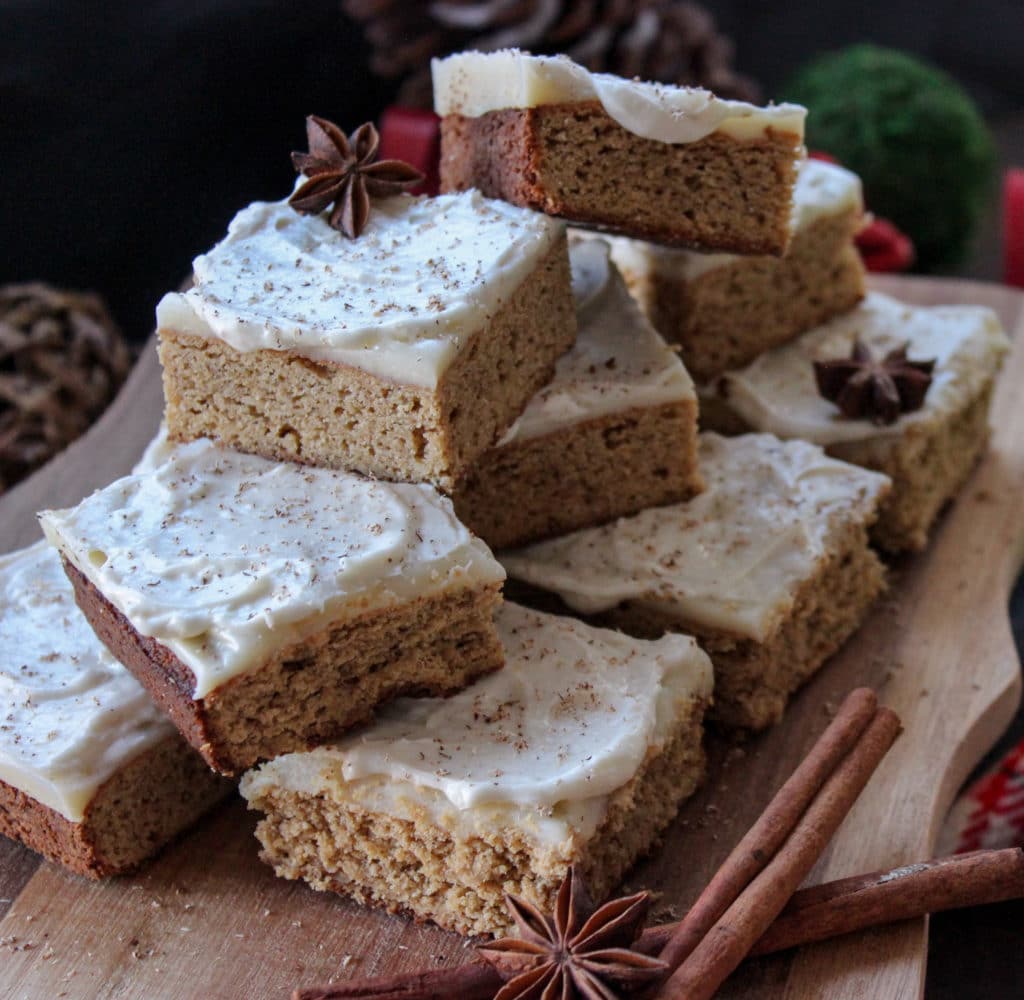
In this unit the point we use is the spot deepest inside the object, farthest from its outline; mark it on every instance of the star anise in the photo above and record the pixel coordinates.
(577, 953)
(862, 386)
(342, 170)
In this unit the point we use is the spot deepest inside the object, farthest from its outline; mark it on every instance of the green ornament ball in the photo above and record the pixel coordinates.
(924, 153)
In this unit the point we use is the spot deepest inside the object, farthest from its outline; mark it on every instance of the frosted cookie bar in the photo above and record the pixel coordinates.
(268, 607)
(92, 775)
(613, 433)
(724, 310)
(928, 452)
(402, 354)
(769, 568)
(675, 165)
(578, 752)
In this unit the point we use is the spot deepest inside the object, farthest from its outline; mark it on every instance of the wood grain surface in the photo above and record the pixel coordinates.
(208, 919)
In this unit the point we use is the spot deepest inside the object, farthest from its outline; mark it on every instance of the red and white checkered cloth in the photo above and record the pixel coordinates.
(989, 813)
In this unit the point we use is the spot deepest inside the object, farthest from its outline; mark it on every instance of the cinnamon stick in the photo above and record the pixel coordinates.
(815, 914)
(847, 905)
(853, 904)
(729, 941)
(474, 981)
(776, 823)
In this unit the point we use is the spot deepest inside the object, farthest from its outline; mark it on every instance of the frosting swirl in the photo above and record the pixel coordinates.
(730, 559)
(571, 718)
(400, 302)
(225, 558)
(70, 714)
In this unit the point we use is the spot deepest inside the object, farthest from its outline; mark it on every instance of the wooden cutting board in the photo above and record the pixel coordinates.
(208, 919)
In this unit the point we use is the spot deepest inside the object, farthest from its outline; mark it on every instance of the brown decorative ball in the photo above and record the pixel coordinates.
(62, 359)
(671, 41)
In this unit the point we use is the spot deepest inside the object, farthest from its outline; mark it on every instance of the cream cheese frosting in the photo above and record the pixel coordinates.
(400, 302)
(618, 361)
(777, 391)
(158, 451)
(226, 558)
(821, 190)
(542, 743)
(72, 716)
(730, 559)
(476, 83)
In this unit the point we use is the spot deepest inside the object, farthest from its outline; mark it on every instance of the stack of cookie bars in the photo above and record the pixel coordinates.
(300, 570)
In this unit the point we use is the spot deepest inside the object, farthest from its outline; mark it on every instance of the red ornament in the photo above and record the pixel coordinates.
(884, 247)
(1013, 227)
(413, 135)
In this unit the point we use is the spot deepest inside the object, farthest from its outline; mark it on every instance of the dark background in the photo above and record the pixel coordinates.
(130, 133)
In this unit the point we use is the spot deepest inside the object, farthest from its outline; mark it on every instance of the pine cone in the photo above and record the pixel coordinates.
(671, 41)
(62, 359)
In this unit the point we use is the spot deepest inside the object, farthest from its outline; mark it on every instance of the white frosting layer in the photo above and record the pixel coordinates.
(571, 717)
(70, 715)
(733, 557)
(618, 361)
(226, 558)
(475, 83)
(777, 391)
(400, 302)
(822, 189)
(158, 451)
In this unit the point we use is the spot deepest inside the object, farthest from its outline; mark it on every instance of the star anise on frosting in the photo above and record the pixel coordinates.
(578, 952)
(342, 171)
(863, 386)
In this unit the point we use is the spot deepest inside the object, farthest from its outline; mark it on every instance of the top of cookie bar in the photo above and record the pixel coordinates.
(731, 559)
(70, 714)
(619, 361)
(475, 83)
(399, 302)
(777, 393)
(572, 716)
(226, 558)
